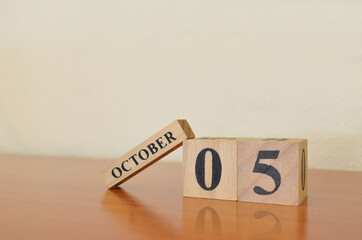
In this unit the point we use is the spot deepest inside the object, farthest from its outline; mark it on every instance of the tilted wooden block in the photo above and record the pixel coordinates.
(246, 169)
(148, 152)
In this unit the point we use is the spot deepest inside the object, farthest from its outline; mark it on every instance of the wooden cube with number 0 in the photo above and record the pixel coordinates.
(265, 170)
(210, 169)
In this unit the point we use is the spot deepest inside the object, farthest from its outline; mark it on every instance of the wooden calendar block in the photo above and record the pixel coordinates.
(246, 169)
(272, 170)
(210, 169)
(151, 150)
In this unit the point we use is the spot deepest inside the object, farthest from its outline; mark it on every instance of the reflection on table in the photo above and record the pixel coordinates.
(215, 219)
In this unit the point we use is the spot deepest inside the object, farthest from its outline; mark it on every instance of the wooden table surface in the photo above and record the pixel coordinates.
(64, 198)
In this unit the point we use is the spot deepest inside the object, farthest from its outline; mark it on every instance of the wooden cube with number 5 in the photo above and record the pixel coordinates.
(246, 169)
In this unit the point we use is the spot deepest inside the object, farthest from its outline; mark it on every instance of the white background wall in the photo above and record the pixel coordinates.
(95, 78)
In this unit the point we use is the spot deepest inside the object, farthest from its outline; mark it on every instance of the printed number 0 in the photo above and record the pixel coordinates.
(268, 170)
(200, 169)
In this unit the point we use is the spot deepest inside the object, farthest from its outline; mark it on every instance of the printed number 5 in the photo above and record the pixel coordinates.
(268, 170)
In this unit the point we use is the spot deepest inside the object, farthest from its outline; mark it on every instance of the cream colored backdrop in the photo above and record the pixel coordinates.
(95, 78)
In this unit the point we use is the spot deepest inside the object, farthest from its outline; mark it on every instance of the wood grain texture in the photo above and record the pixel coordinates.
(148, 152)
(282, 180)
(287, 163)
(227, 186)
(63, 198)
